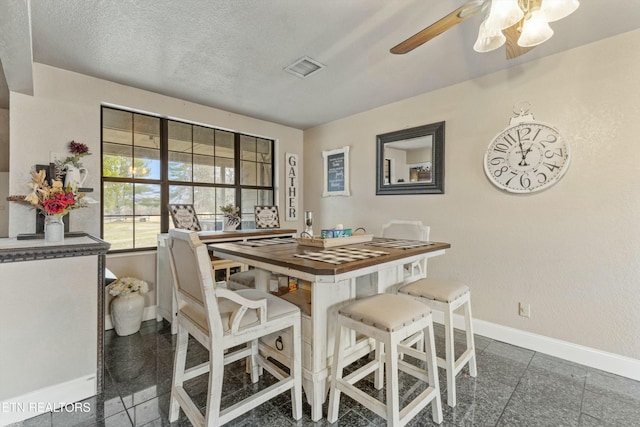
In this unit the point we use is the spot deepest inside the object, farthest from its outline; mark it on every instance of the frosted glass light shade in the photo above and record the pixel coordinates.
(535, 30)
(504, 13)
(557, 9)
(489, 38)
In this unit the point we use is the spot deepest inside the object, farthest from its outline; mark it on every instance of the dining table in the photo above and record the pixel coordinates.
(321, 280)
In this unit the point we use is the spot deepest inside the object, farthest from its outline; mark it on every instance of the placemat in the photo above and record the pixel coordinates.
(341, 255)
(400, 244)
(267, 242)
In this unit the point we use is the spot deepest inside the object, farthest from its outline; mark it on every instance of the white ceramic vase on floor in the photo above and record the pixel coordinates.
(230, 225)
(126, 313)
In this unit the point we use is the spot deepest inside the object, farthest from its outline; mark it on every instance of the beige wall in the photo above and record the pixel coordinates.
(66, 106)
(4, 140)
(4, 172)
(570, 251)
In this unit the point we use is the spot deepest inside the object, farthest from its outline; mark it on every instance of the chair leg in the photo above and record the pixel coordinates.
(378, 380)
(338, 365)
(255, 367)
(473, 371)
(450, 358)
(214, 396)
(296, 371)
(182, 342)
(393, 391)
(432, 369)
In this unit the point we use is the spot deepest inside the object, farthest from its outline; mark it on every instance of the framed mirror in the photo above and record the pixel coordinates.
(411, 161)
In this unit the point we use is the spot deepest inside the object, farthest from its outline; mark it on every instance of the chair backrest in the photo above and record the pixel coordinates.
(410, 230)
(184, 217)
(193, 277)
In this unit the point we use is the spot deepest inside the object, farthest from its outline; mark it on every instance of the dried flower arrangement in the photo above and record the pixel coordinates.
(127, 285)
(51, 199)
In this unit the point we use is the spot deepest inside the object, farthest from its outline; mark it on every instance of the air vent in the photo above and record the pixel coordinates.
(304, 67)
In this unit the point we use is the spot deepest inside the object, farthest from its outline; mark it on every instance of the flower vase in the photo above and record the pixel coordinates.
(53, 229)
(126, 313)
(230, 225)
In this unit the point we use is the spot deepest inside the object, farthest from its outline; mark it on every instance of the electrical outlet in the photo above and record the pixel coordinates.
(524, 310)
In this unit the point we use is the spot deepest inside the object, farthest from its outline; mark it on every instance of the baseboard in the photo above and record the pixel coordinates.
(57, 398)
(148, 314)
(605, 361)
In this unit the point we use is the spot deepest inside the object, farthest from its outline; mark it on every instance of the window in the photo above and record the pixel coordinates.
(149, 162)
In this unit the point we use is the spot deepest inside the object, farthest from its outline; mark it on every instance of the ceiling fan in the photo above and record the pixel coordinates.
(518, 24)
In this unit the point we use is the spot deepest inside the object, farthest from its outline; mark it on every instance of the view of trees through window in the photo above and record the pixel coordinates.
(149, 162)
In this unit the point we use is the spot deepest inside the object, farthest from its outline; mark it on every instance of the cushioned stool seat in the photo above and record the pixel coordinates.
(242, 280)
(436, 289)
(447, 296)
(389, 319)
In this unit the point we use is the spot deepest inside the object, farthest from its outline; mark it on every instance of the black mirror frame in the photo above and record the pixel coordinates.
(436, 186)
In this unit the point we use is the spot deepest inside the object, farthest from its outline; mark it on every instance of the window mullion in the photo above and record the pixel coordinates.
(164, 175)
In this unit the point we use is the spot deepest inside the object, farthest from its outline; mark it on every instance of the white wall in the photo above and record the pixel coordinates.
(4, 204)
(66, 106)
(4, 140)
(4, 172)
(571, 251)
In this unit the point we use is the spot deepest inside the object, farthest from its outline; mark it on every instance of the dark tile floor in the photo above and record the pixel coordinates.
(514, 387)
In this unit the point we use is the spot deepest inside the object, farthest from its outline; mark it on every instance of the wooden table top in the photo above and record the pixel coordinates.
(283, 255)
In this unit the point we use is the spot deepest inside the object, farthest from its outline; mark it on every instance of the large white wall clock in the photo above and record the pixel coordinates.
(527, 156)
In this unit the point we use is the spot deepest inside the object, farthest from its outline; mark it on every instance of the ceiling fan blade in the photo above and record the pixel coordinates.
(454, 18)
(512, 47)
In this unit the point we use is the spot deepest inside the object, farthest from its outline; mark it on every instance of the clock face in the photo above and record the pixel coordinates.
(526, 157)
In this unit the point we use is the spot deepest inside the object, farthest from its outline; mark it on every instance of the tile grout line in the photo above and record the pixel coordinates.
(516, 388)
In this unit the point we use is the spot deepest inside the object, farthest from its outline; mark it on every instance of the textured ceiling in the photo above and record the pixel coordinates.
(231, 54)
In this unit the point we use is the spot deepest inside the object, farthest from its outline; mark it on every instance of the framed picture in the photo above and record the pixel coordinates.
(336, 172)
(184, 217)
(267, 217)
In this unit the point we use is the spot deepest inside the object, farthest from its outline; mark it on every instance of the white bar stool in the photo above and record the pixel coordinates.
(447, 296)
(389, 319)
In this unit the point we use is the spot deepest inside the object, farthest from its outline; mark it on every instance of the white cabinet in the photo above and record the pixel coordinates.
(51, 324)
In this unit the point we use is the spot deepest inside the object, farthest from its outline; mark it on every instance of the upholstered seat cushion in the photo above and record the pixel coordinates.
(242, 280)
(276, 307)
(386, 311)
(435, 289)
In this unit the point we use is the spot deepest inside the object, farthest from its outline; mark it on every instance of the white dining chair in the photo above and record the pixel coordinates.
(409, 230)
(229, 324)
(397, 229)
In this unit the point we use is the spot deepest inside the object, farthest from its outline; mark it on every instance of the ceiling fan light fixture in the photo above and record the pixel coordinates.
(535, 30)
(504, 13)
(555, 10)
(489, 38)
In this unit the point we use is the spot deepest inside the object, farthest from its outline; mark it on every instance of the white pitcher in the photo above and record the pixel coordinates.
(75, 176)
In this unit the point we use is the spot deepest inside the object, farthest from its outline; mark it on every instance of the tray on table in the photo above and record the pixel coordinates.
(318, 242)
